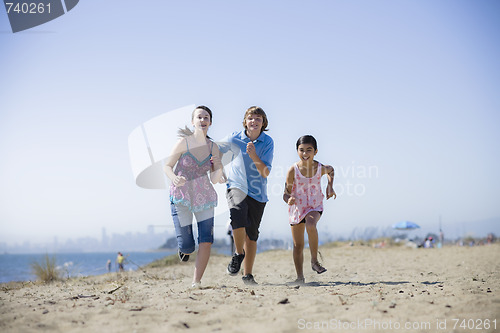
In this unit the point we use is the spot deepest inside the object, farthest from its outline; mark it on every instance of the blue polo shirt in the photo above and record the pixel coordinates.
(242, 172)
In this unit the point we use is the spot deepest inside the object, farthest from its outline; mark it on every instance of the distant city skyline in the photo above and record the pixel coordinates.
(126, 241)
(151, 240)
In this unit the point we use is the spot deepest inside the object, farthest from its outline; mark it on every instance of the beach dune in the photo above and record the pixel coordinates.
(397, 289)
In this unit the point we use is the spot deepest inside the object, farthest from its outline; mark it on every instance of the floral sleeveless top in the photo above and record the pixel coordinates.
(307, 194)
(197, 193)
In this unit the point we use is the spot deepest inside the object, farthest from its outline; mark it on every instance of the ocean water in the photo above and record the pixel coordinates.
(17, 267)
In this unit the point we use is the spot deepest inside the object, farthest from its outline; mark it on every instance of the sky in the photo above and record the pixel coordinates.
(402, 97)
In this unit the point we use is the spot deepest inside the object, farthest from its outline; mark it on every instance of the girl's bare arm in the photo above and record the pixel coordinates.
(217, 169)
(172, 159)
(287, 195)
(330, 173)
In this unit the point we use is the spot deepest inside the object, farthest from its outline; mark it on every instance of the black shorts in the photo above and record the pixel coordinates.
(245, 212)
(304, 219)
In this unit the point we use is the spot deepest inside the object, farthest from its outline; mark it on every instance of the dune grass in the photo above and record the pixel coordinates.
(164, 262)
(46, 270)
(173, 259)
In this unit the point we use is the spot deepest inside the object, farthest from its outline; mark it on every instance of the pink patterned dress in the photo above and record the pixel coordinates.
(197, 193)
(307, 194)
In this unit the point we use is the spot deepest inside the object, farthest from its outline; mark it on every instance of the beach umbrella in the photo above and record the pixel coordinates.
(405, 225)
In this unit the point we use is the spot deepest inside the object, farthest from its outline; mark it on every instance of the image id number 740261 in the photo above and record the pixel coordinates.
(475, 324)
(27, 7)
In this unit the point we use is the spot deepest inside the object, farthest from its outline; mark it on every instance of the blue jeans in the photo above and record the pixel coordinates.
(184, 230)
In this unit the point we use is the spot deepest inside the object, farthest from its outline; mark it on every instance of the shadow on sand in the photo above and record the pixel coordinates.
(350, 283)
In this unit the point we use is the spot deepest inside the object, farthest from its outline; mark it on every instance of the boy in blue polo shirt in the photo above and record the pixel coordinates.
(247, 187)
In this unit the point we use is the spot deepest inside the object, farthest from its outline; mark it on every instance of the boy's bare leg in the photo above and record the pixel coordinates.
(250, 253)
(239, 236)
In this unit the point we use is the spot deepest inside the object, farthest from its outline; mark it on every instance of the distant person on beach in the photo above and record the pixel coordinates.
(191, 193)
(429, 243)
(441, 238)
(305, 202)
(120, 261)
(252, 155)
(108, 265)
(490, 239)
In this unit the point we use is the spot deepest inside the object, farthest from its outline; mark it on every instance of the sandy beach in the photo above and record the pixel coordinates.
(366, 289)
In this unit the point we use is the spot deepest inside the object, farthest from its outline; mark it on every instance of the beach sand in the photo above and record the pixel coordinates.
(453, 289)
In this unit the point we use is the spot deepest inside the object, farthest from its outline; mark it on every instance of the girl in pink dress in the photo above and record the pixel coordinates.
(197, 162)
(305, 202)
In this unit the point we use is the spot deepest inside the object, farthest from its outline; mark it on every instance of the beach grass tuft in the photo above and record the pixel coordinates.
(164, 262)
(173, 259)
(46, 270)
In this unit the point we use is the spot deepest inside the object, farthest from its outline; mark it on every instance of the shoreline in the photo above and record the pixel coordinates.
(18, 267)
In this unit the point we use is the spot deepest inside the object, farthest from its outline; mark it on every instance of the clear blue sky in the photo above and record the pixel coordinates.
(401, 95)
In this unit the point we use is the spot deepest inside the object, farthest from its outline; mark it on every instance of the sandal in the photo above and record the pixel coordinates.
(318, 268)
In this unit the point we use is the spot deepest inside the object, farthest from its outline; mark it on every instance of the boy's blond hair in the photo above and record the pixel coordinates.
(257, 111)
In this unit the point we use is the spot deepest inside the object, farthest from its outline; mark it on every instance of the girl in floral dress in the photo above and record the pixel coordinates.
(195, 156)
(305, 199)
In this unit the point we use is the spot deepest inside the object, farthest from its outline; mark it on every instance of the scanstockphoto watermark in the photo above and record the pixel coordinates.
(392, 325)
(350, 180)
(361, 324)
(26, 14)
